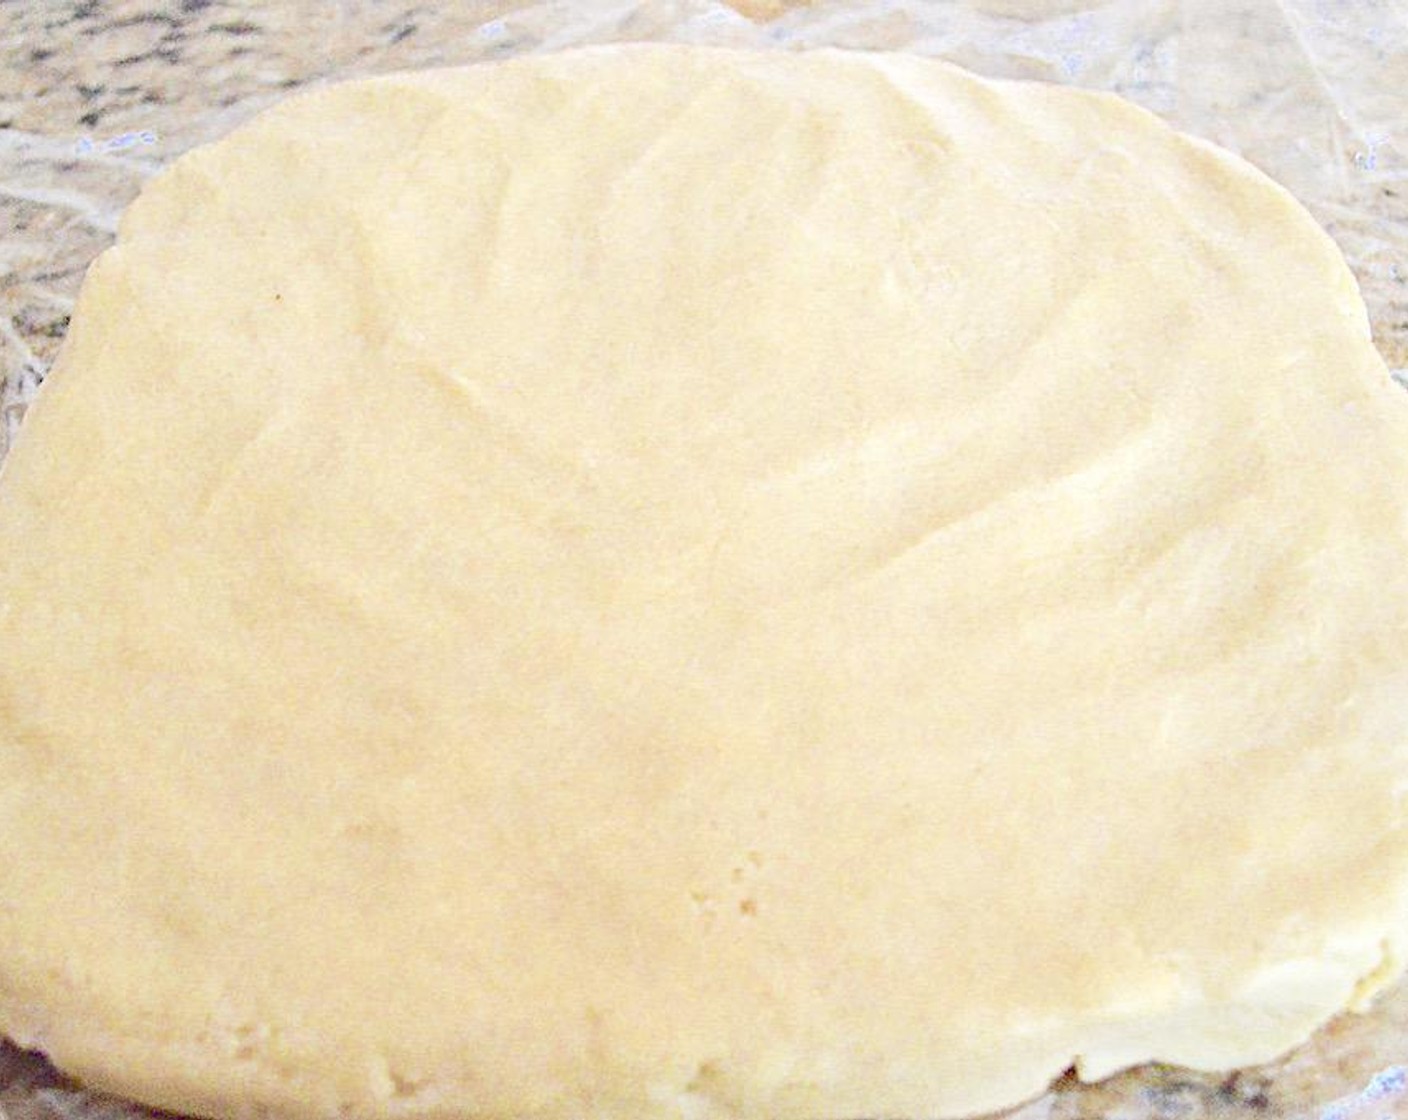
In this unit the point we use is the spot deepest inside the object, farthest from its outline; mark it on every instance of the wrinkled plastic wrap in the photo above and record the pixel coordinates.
(101, 95)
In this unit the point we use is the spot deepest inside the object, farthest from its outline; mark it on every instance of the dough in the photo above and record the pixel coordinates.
(665, 582)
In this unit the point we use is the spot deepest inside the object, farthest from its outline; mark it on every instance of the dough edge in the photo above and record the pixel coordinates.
(1283, 1007)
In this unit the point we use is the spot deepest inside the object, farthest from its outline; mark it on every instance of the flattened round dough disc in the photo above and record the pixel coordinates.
(657, 582)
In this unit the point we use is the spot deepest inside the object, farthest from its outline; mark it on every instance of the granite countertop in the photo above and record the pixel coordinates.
(97, 95)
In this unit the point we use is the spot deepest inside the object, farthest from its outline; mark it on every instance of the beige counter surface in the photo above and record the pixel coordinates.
(96, 96)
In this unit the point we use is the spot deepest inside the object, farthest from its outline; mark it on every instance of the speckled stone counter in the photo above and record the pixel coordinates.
(96, 96)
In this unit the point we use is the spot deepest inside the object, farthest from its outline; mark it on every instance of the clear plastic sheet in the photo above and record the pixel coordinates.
(97, 97)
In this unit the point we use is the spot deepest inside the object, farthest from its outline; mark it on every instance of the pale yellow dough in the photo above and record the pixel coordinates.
(657, 582)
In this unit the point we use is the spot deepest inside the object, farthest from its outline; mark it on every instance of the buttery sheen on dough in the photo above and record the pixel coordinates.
(656, 582)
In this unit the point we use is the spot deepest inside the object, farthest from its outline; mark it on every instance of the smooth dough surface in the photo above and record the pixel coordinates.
(659, 582)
